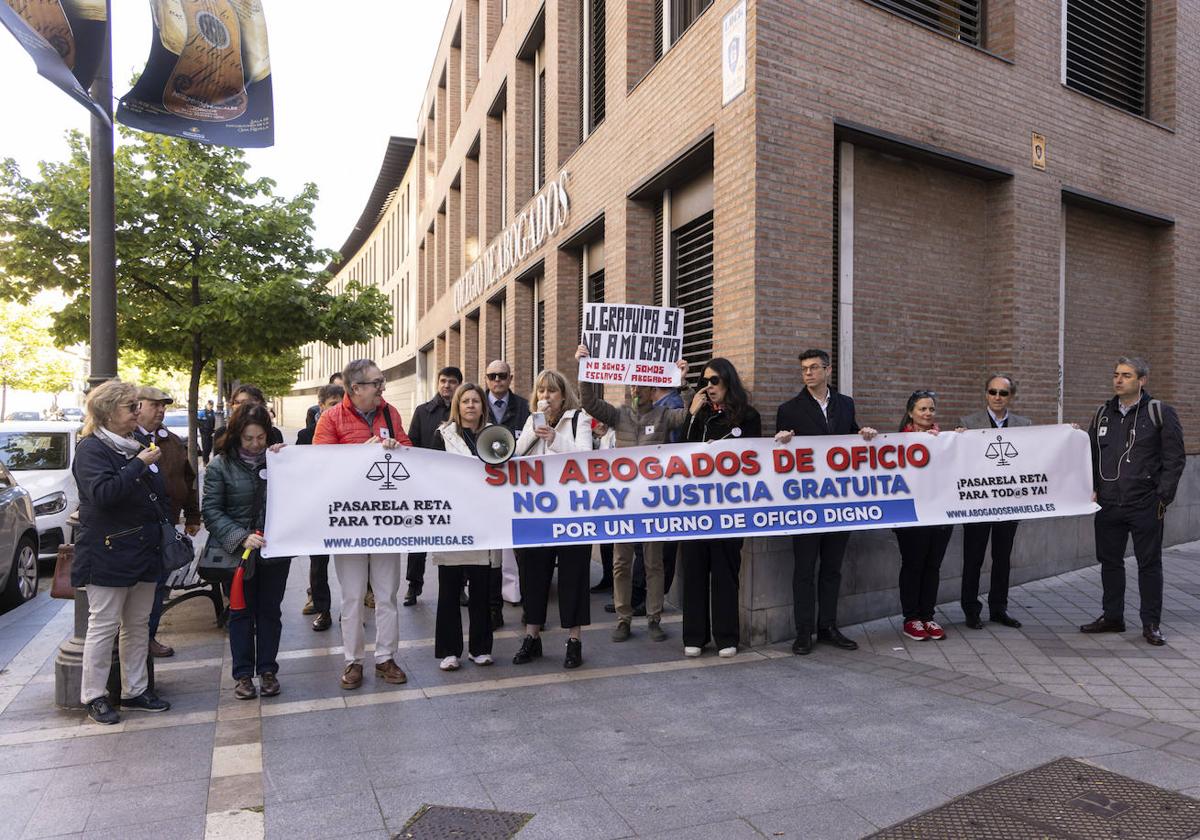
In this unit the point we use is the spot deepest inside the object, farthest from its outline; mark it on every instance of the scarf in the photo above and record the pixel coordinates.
(253, 460)
(127, 447)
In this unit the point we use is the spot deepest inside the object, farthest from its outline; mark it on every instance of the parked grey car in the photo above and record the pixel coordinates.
(18, 544)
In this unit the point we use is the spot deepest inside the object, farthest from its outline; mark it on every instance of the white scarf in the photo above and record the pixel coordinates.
(127, 446)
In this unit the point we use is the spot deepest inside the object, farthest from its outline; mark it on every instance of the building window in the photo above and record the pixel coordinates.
(591, 67)
(678, 16)
(960, 19)
(539, 127)
(539, 341)
(595, 286)
(1105, 54)
(503, 168)
(692, 287)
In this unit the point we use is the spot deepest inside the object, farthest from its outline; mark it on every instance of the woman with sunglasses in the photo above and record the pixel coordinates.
(558, 425)
(923, 547)
(720, 409)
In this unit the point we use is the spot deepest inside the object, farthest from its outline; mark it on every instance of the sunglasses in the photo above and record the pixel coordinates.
(132, 406)
(497, 377)
(998, 392)
(920, 395)
(374, 383)
(709, 380)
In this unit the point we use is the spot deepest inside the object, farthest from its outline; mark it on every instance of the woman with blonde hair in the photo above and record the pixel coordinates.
(468, 417)
(118, 555)
(558, 425)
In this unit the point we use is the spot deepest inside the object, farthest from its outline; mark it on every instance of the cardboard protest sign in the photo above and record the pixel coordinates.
(632, 345)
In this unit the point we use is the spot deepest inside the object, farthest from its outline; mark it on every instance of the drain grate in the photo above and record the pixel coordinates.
(439, 822)
(1062, 800)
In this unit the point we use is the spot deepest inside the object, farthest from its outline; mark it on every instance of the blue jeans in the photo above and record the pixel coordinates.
(254, 632)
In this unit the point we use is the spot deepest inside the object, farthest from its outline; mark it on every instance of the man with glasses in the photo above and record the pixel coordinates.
(999, 392)
(817, 410)
(510, 411)
(364, 416)
(426, 420)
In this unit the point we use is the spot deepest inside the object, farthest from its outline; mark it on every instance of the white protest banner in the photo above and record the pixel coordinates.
(632, 345)
(355, 499)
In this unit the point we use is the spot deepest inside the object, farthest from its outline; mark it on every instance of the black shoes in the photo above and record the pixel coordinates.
(1104, 625)
(101, 711)
(323, 621)
(605, 585)
(270, 685)
(974, 622)
(497, 618)
(1005, 619)
(574, 654)
(1153, 635)
(803, 645)
(147, 701)
(530, 650)
(411, 595)
(833, 636)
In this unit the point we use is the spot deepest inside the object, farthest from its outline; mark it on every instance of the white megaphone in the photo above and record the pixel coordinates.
(495, 445)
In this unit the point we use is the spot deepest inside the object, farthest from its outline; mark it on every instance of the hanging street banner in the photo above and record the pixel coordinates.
(359, 499)
(208, 77)
(65, 38)
(632, 345)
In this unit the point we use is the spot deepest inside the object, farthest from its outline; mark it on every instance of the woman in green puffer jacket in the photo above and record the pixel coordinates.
(234, 508)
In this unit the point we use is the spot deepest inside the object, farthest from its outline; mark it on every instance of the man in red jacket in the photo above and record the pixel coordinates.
(365, 417)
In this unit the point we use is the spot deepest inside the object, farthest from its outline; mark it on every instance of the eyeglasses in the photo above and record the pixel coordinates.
(374, 383)
(812, 368)
(998, 392)
(497, 377)
(710, 380)
(131, 406)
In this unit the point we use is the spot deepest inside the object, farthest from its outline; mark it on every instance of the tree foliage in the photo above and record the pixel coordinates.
(29, 360)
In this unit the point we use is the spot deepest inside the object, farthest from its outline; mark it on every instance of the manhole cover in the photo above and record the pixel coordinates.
(1062, 800)
(438, 822)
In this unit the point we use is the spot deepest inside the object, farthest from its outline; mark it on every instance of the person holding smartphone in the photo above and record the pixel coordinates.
(558, 425)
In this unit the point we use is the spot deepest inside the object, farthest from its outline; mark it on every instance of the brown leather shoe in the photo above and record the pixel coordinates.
(390, 672)
(160, 651)
(270, 685)
(323, 621)
(1153, 635)
(245, 690)
(352, 677)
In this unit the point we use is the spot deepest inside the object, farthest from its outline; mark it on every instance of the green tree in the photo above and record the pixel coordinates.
(28, 359)
(210, 263)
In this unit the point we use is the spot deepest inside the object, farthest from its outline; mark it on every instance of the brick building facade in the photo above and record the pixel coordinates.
(874, 189)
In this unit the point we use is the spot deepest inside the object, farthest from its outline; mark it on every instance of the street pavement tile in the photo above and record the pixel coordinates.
(496, 754)
(293, 769)
(394, 761)
(527, 789)
(161, 802)
(727, 830)
(1154, 767)
(630, 769)
(319, 817)
(186, 828)
(56, 815)
(719, 758)
(17, 810)
(884, 809)
(581, 818)
(674, 805)
(28, 783)
(398, 802)
(830, 821)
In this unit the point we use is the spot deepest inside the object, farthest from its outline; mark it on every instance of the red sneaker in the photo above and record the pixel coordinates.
(915, 630)
(934, 631)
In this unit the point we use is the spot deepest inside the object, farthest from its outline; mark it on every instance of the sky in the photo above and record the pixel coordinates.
(346, 75)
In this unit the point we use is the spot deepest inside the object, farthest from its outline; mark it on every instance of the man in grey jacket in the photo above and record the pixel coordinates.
(999, 392)
(641, 424)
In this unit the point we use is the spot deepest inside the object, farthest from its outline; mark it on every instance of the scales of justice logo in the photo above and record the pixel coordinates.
(1001, 451)
(387, 471)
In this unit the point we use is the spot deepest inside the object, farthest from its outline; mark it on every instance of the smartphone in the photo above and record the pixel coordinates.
(539, 419)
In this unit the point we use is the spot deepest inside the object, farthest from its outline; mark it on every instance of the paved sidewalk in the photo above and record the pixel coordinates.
(638, 743)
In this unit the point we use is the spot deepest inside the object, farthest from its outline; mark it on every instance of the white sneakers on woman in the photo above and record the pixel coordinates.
(481, 659)
(691, 652)
(727, 653)
(450, 663)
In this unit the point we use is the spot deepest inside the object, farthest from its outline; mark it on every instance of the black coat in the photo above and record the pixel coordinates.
(706, 424)
(1144, 472)
(516, 412)
(117, 543)
(426, 419)
(802, 415)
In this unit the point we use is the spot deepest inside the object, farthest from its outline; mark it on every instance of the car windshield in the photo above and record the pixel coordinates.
(34, 450)
(175, 420)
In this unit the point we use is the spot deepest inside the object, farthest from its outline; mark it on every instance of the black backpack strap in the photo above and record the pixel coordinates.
(1099, 414)
(1155, 407)
(575, 424)
(387, 418)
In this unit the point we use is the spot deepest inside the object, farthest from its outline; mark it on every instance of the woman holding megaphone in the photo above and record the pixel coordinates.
(460, 436)
(234, 509)
(720, 410)
(558, 425)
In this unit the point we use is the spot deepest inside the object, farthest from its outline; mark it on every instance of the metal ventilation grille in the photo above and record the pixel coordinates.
(1106, 51)
(597, 64)
(596, 287)
(658, 29)
(657, 245)
(540, 350)
(540, 179)
(693, 288)
(960, 19)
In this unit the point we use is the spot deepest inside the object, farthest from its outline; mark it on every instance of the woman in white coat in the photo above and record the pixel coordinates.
(558, 425)
(468, 417)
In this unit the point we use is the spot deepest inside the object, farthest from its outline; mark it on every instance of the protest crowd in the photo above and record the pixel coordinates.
(136, 484)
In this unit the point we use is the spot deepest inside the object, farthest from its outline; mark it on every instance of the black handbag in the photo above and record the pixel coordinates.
(215, 562)
(174, 545)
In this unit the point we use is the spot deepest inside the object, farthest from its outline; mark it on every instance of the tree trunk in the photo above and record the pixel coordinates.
(3, 399)
(192, 402)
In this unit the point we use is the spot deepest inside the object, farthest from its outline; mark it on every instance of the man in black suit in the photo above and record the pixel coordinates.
(505, 408)
(426, 420)
(817, 410)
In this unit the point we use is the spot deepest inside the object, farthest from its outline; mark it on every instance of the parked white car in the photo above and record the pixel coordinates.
(18, 544)
(40, 456)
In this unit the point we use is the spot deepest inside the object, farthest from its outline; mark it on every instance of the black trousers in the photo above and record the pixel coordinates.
(975, 541)
(318, 581)
(712, 570)
(921, 552)
(817, 583)
(1114, 525)
(415, 574)
(448, 632)
(206, 445)
(535, 567)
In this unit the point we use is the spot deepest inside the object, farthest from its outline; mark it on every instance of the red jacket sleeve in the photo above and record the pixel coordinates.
(326, 431)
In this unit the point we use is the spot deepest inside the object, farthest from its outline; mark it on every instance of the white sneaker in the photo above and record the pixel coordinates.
(727, 653)
(481, 659)
(691, 651)
(450, 663)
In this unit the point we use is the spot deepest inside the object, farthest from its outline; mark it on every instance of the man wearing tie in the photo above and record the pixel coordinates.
(1000, 390)
(510, 411)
